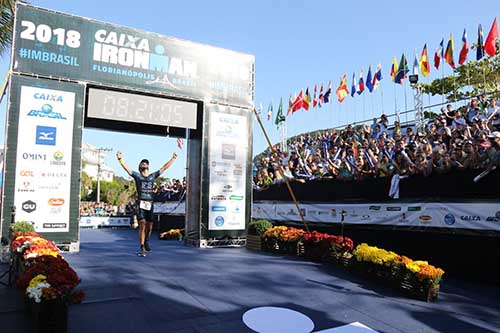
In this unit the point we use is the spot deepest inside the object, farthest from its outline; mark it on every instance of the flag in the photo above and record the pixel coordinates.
(306, 101)
(369, 79)
(321, 96)
(279, 116)
(480, 44)
(342, 91)
(394, 69)
(377, 76)
(449, 53)
(297, 103)
(425, 66)
(290, 103)
(180, 142)
(464, 50)
(361, 84)
(315, 97)
(328, 91)
(353, 88)
(259, 109)
(439, 54)
(490, 45)
(270, 111)
(415, 64)
(402, 70)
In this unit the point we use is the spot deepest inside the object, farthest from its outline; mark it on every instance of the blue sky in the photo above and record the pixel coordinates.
(296, 44)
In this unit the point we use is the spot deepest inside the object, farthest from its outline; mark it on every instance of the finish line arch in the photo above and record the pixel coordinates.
(69, 72)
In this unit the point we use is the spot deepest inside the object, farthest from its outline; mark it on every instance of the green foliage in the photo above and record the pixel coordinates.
(21, 226)
(470, 79)
(257, 228)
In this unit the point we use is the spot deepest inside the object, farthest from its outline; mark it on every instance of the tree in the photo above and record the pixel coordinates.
(6, 24)
(470, 79)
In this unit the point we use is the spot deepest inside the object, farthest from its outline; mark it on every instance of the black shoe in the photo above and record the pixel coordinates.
(142, 252)
(147, 247)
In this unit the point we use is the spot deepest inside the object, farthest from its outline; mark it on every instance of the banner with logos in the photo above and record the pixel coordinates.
(104, 221)
(44, 151)
(227, 161)
(478, 216)
(170, 207)
(65, 46)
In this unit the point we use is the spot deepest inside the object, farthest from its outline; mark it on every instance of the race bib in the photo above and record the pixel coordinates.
(146, 205)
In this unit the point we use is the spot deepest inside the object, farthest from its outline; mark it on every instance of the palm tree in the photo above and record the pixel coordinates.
(6, 24)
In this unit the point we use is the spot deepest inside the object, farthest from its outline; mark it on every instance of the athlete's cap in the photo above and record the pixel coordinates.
(144, 161)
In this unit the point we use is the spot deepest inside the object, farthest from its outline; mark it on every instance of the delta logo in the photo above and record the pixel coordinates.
(56, 202)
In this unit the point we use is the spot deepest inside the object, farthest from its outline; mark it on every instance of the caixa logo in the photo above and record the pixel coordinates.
(29, 206)
(470, 218)
(56, 201)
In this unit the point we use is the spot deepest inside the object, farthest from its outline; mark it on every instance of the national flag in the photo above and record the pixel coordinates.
(425, 66)
(415, 64)
(361, 83)
(315, 98)
(297, 103)
(490, 45)
(402, 70)
(270, 111)
(306, 101)
(439, 54)
(321, 96)
(180, 142)
(353, 87)
(465, 49)
(480, 44)
(259, 109)
(328, 92)
(449, 53)
(290, 103)
(342, 91)
(377, 77)
(394, 69)
(279, 116)
(369, 79)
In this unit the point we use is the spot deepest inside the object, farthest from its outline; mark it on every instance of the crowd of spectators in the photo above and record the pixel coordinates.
(170, 191)
(173, 190)
(462, 139)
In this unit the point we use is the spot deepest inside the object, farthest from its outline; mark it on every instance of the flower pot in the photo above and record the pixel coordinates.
(49, 316)
(254, 243)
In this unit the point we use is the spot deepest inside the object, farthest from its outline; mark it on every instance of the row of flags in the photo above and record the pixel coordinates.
(398, 73)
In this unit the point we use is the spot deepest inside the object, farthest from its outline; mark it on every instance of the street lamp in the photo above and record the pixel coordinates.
(99, 151)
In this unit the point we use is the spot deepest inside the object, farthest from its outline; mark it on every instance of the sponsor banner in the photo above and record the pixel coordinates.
(171, 208)
(43, 163)
(227, 160)
(65, 46)
(479, 216)
(104, 221)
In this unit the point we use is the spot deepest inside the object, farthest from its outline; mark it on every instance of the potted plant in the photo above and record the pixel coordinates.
(270, 239)
(288, 240)
(49, 284)
(254, 233)
(172, 234)
(20, 227)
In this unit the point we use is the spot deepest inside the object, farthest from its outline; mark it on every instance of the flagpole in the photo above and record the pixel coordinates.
(381, 97)
(373, 108)
(442, 81)
(406, 103)
(395, 99)
(280, 169)
(364, 115)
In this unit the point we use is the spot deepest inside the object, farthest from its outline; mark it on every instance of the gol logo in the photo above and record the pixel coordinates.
(26, 173)
(56, 201)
